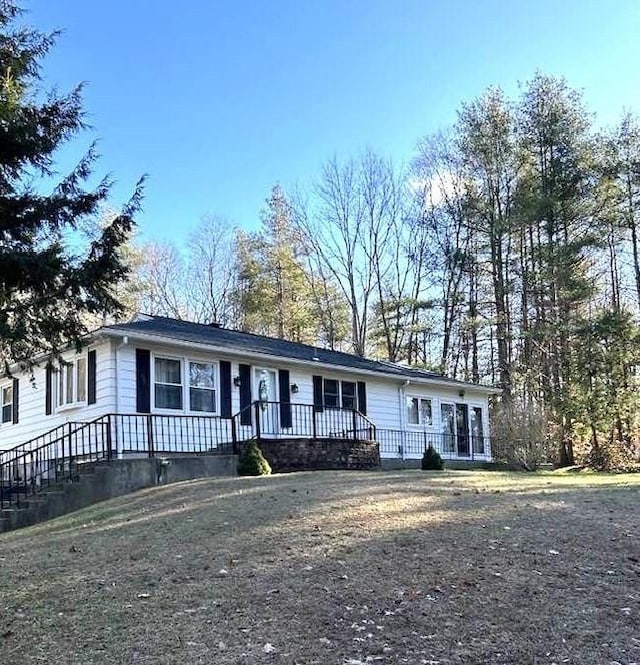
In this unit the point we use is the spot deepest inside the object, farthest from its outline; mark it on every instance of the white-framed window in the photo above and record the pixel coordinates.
(81, 379)
(339, 394)
(202, 387)
(168, 383)
(72, 382)
(6, 402)
(331, 393)
(184, 384)
(419, 411)
(349, 398)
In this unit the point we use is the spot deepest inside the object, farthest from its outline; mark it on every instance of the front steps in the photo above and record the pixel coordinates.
(105, 480)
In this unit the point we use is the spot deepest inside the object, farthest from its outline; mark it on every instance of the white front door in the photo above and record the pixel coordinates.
(266, 392)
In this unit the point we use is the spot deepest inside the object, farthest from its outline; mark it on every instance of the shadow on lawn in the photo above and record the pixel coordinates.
(327, 567)
(457, 494)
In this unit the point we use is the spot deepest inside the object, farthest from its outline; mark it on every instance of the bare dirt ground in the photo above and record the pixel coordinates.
(334, 568)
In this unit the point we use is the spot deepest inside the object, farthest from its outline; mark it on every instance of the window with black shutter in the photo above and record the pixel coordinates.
(6, 402)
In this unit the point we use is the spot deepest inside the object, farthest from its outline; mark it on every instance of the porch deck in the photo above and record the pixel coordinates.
(58, 454)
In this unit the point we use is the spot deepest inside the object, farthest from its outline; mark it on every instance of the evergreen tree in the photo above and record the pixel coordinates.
(487, 142)
(556, 197)
(606, 390)
(47, 287)
(276, 294)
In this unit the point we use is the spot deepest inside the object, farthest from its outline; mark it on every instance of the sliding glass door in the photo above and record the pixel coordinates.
(477, 431)
(462, 430)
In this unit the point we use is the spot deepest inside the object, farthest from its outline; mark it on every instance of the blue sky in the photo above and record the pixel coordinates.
(219, 100)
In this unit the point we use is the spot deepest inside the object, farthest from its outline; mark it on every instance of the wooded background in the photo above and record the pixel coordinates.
(506, 253)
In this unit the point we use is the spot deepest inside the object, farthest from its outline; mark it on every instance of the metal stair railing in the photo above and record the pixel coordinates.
(32, 466)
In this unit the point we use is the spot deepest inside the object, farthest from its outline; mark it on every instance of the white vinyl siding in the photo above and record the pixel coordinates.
(33, 419)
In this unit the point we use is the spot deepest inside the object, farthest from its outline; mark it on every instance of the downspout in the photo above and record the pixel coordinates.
(403, 415)
(125, 342)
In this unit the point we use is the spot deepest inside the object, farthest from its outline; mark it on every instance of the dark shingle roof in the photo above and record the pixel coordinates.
(237, 342)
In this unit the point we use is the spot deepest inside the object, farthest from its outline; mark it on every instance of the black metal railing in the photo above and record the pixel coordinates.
(279, 420)
(50, 458)
(154, 434)
(412, 444)
(59, 455)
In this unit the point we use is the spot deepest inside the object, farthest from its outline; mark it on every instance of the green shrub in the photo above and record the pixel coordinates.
(431, 460)
(252, 462)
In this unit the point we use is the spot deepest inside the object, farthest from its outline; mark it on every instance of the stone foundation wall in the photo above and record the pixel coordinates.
(320, 454)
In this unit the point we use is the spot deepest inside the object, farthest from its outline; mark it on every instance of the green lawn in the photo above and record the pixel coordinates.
(334, 568)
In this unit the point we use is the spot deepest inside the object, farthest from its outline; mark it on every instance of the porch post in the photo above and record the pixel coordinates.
(314, 424)
(234, 436)
(256, 405)
(69, 452)
(109, 442)
(150, 435)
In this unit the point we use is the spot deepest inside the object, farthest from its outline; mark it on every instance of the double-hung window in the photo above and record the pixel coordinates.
(202, 387)
(168, 383)
(339, 394)
(419, 411)
(331, 396)
(81, 379)
(72, 382)
(348, 394)
(6, 397)
(180, 381)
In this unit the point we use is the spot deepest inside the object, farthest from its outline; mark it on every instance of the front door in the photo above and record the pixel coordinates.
(266, 392)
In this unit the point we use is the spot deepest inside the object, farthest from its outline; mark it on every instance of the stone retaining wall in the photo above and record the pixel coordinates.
(319, 454)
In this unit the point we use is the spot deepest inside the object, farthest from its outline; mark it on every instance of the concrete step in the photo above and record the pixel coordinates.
(110, 479)
(86, 470)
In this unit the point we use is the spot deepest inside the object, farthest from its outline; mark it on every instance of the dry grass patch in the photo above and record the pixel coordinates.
(334, 568)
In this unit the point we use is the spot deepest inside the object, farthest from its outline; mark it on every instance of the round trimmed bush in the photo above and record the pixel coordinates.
(431, 460)
(252, 462)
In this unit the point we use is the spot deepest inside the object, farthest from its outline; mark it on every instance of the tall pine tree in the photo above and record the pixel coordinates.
(48, 287)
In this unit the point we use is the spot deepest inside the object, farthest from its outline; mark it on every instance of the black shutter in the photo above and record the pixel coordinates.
(16, 392)
(91, 377)
(48, 391)
(285, 398)
(362, 397)
(317, 394)
(225, 389)
(143, 381)
(245, 394)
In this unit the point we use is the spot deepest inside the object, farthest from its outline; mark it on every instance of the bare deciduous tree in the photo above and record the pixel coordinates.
(210, 271)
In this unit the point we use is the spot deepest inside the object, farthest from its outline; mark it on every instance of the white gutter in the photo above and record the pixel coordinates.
(200, 346)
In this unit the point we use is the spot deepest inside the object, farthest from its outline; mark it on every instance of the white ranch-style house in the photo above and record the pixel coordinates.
(163, 385)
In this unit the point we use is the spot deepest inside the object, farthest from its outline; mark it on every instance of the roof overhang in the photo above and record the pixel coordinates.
(257, 355)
